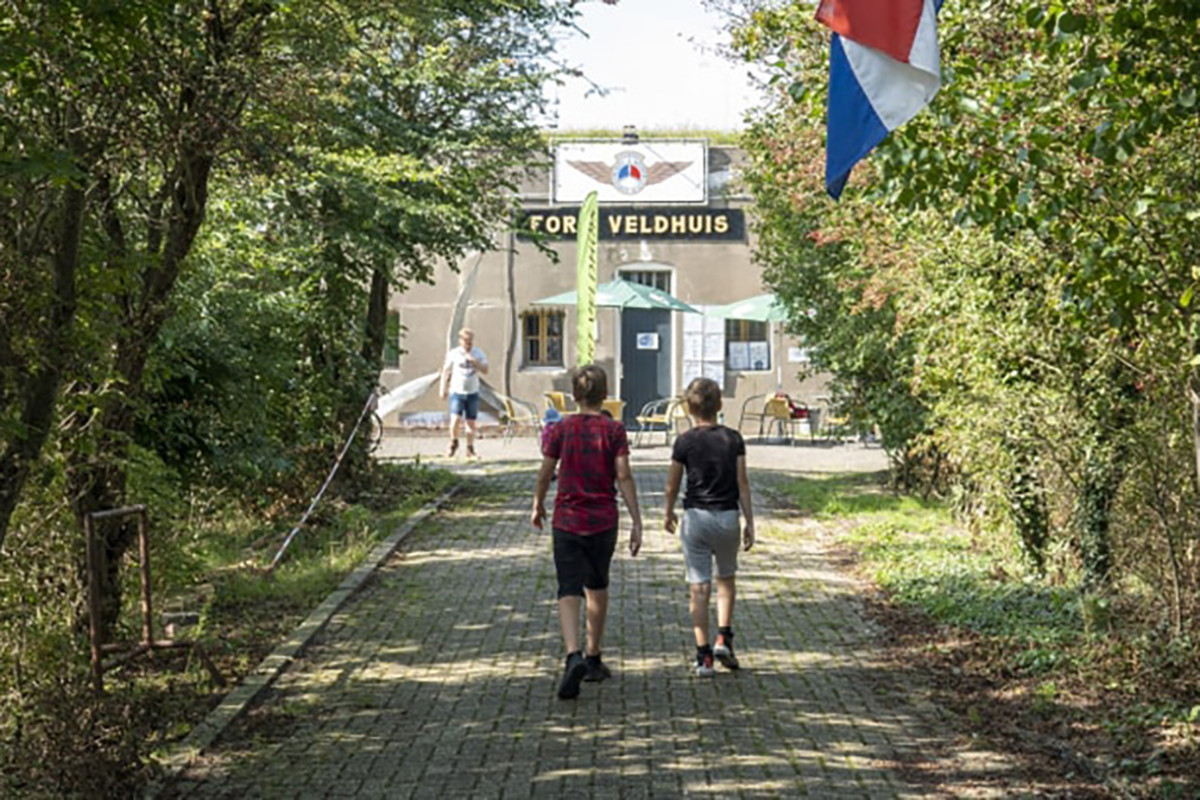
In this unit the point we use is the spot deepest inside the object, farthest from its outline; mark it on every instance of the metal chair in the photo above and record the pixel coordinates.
(614, 406)
(558, 401)
(777, 413)
(666, 412)
(516, 414)
(804, 417)
(835, 425)
(755, 400)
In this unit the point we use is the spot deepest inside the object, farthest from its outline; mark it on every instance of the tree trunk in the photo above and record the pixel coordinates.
(375, 333)
(1194, 400)
(514, 320)
(1027, 501)
(1100, 481)
(40, 395)
(98, 477)
(356, 463)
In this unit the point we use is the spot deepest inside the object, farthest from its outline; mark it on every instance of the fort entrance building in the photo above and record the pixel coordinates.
(672, 217)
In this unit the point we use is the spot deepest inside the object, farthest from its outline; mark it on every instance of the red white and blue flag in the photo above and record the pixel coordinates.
(884, 67)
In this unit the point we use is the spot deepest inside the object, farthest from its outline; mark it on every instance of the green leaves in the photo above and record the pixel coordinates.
(1069, 23)
(1007, 267)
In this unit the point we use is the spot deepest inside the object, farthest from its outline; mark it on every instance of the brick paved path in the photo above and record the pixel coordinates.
(438, 680)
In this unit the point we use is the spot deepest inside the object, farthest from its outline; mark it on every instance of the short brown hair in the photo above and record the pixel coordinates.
(589, 384)
(703, 398)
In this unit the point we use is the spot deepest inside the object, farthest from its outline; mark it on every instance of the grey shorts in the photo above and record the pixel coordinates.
(707, 534)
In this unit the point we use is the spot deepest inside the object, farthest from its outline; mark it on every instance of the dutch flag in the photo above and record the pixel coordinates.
(883, 69)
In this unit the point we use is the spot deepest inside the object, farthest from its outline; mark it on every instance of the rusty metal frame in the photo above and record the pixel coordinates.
(123, 652)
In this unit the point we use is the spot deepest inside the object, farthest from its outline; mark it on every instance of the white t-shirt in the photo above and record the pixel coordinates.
(464, 378)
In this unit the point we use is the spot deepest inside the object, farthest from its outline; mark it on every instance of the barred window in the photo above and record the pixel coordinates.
(656, 278)
(542, 333)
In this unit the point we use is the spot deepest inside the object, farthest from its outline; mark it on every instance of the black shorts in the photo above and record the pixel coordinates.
(582, 561)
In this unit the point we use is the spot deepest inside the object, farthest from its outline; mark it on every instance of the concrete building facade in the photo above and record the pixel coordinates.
(693, 241)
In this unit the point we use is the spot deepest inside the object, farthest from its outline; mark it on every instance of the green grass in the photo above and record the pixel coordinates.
(320, 556)
(1048, 651)
(860, 494)
(913, 550)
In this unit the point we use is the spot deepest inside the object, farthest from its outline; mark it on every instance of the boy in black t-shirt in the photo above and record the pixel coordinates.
(715, 459)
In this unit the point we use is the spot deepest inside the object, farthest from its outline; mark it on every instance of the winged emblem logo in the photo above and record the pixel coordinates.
(629, 173)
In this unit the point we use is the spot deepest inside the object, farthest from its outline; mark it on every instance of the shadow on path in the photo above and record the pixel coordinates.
(438, 680)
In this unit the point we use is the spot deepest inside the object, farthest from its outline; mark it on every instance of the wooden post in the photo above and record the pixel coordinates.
(144, 557)
(93, 570)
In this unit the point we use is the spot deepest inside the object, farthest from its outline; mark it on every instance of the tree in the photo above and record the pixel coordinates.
(418, 155)
(132, 109)
(1066, 133)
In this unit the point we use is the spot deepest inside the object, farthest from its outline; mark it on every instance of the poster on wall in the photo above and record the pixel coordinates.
(739, 356)
(760, 356)
(715, 372)
(703, 348)
(647, 341)
(714, 346)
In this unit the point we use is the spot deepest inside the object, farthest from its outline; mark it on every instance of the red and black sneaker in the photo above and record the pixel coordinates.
(723, 650)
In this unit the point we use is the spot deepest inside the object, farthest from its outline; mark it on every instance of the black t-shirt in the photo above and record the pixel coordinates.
(709, 454)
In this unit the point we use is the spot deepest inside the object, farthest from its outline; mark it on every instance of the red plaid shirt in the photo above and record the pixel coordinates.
(587, 447)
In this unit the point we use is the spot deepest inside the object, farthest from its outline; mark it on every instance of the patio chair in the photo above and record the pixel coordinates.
(558, 401)
(667, 412)
(778, 414)
(804, 417)
(752, 409)
(614, 406)
(516, 414)
(835, 424)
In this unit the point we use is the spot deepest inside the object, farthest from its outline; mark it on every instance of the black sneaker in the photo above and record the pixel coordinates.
(723, 650)
(572, 676)
(453, 448)
(597, 670)
(704, 665)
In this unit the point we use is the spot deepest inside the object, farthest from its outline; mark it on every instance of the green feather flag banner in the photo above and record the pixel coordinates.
(586, 279)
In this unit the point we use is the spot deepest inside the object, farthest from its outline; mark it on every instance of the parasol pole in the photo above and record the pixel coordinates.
(778, 357)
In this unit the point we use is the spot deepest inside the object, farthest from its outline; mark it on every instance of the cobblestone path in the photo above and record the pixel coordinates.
(438, 680)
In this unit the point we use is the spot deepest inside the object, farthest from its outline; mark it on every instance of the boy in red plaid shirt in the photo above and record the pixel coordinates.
(594, 455)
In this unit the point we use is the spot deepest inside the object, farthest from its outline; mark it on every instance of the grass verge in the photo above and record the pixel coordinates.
(1108, 710)
(244, 613)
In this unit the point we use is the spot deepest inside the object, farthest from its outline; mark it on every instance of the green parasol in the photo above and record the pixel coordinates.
(620, 293)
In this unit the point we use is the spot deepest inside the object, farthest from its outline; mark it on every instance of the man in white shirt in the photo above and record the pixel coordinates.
(460, 382)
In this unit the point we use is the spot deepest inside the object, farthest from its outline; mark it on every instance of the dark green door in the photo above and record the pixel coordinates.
(645, 359)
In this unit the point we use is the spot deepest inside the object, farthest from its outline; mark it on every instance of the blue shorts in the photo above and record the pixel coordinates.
(464, 405)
